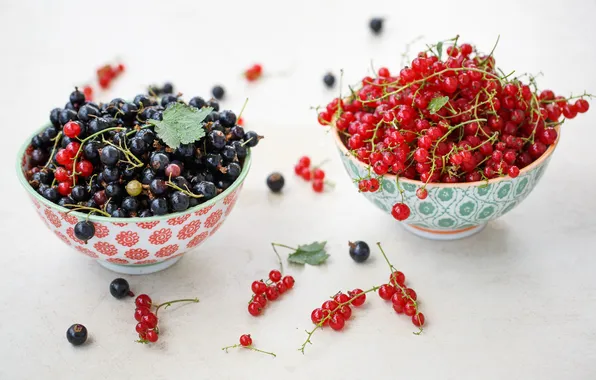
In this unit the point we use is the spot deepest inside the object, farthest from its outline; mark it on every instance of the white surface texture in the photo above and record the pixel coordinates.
(515, 301)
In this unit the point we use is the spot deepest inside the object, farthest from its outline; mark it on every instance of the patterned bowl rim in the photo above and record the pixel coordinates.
(97, 218)
(393, 177)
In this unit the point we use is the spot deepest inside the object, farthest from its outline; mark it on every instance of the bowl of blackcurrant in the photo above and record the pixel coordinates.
(136, 184)
(449, 143)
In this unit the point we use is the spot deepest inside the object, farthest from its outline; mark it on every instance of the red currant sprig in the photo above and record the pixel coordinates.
(402, 297)
(334, 313)
(147, 319)
(246, 342)
(314, 174)
(268, 290)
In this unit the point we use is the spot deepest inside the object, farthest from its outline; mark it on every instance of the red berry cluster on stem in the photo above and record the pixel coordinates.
(269, 290)
(335, 312)
(107, 73)
(147, 319)
(246, 342)
(314, 174)
(450, 119)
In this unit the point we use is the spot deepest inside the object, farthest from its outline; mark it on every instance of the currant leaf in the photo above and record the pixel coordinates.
(181, 124)
(312, 254)
(437, 103)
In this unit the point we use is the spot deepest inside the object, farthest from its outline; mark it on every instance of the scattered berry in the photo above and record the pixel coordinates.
(275, 182)
(119, 288)
(218, 92)
(245, 340)
(76, 334)
(359, 251)
(84, 230)
(329, 80)
(376, 25)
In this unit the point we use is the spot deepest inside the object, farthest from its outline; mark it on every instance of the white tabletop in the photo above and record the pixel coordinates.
(517, 301)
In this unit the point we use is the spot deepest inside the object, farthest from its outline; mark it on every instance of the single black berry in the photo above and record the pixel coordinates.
(179, 201)
(359, 251)
(217, 139)
(376, 25)
(159, 161)
(119, 288)
(329, 80)
(159, 206)
(55, 117)
(77, 97)
(158, 187)
(76, 334)
(87, 112)
(276, 182)
(67, 115)
(109, 155)
(206, 189)
(213, 104)
(251, 138)
(79, 193)
(142, 101)
(218, 92)
(51, 194)
(227, 118)
(233, 171)
(167, 99)
(84, 230)
(168, 88)
(197, 102)
(130, 204)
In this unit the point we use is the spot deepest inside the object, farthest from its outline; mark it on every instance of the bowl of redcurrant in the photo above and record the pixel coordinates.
(449, 143)
(136, 185)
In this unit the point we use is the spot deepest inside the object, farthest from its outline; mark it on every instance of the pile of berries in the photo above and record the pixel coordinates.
(147, 319)
(448, 118)
(269, 290)
(316, 174)
(107, 158)
(107, 73)
(334, 313)
(254, 72)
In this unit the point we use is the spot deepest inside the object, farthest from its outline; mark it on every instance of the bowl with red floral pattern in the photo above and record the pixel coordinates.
(135, 245)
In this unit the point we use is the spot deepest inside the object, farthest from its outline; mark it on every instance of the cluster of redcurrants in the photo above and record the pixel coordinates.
(268, 291)
(402, 297)
(107, 73)
(254, 72)
(316, 174)
(334, 313)
(147, 320)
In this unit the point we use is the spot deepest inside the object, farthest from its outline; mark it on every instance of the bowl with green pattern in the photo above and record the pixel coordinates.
(450, 211)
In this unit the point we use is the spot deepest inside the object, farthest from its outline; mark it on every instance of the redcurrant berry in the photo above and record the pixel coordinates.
(275, 275)
(245, 340)
(143, 300)
(386, 291)
(254, 308)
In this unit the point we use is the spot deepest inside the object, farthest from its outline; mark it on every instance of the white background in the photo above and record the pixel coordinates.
(517, 301)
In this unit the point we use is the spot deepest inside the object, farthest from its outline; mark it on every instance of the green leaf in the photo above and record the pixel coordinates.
(437, 103)
(440, 49)
(312, 254)
(181, 124)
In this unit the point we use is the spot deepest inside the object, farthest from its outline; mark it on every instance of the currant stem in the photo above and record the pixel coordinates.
(281, 266)
(248, 348)
(93, 209)
(56, 139)
(169, 303)
(242, 109)
(187, 192)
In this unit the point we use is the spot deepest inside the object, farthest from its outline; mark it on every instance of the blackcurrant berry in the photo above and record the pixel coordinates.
(217, 139)
(145, 214)
(77, 97)
(37, 142)
(237, 132)
(114, 191)
(130, 204)
(179, 201)
(329, 80)
(109, 155)
(359, 251)
(84, 230)
(168, 88)
(111, 174)
(376, 25)
(147, 135)
(119, 213)
(55, 117)
(212, 161)
(197, 102)
(76, 334)
(142, 101)
(79, 193)
(128, 112)
(213, 104)
(159, 161)
(91, 150)
(275, 182)
(158, 187)
(167, 99)
(66, 201)
(48, 134)
(147, 176)
(241, 150)
(228, 153)
(87, 112)
(212, 117)
(138, 147)
(185, 150)
(51, 194)
(218, 92)
(119, 288)
(67, 115)
(227, 118)
(251, 138)
(206, 189)
(233, 171)
(159, 206)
